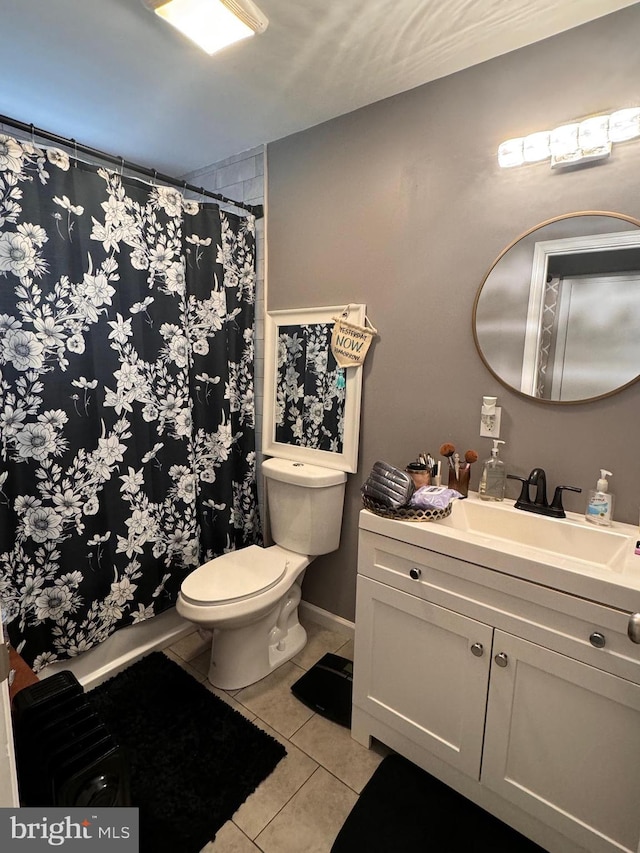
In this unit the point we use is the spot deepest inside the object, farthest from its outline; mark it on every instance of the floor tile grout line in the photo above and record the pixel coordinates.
(240, 829)
(313, 758)
(257, 718)
(295, 794)
(200, 674)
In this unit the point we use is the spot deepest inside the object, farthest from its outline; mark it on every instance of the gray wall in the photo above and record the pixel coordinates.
(401, 205)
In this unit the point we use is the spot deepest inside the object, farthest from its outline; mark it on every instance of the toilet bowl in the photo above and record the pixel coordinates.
(249, 598)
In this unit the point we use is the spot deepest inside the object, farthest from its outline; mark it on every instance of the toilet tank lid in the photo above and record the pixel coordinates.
(301, 473)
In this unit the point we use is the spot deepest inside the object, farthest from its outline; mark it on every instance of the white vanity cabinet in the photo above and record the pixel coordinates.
(415, 671)
(523, 697)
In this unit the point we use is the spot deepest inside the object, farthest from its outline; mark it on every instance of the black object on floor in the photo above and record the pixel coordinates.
(327, 688)
(403, 808)
(194, 759)
(65, 755)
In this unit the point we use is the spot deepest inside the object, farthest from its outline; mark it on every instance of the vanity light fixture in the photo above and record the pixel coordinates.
(211, 24)
(577, 142)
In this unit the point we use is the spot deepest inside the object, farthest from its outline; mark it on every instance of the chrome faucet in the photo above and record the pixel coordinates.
(540, 505)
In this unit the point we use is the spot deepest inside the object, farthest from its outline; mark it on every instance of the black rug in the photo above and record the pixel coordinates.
(194, 760)
(403, 809)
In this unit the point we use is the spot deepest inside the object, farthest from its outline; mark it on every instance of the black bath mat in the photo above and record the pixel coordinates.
(402, 808)
(193, 759)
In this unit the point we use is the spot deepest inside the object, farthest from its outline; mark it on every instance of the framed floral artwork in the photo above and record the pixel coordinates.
(311, 405)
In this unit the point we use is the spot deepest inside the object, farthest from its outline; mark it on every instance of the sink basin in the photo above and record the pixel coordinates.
(567, 554)
(571, 537)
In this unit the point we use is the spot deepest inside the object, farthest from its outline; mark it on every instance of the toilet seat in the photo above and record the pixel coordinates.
(235, 576)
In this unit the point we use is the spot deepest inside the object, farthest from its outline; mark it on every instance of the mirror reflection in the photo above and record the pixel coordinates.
(557, 316)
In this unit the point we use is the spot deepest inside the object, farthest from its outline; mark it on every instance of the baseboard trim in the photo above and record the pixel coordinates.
(327, 619)
(123, 648)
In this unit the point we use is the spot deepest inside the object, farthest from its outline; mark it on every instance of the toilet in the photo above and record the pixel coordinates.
(249, 598)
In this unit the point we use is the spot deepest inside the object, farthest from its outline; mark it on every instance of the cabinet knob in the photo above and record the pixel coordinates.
(598, 640)
(501, 659)
(633, 628)
(415, 574)
(477, 649)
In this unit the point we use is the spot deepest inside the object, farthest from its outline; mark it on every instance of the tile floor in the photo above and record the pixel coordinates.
(305, 801)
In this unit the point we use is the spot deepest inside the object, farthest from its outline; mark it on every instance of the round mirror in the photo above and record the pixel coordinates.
(557, 317)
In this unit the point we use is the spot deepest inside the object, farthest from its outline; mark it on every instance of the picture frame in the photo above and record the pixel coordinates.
(311, 406)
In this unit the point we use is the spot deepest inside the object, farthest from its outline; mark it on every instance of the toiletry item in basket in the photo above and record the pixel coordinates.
(494, 476)
(419, 473)
(600, 502)
(433, 497)
(388, 486)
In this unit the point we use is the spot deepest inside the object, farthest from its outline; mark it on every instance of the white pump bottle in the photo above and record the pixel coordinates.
(600, 502)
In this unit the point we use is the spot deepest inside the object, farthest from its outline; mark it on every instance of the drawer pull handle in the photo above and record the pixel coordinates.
(598, 640)
(477, 649)
(501, 659)
(415, 574)
(633, 629)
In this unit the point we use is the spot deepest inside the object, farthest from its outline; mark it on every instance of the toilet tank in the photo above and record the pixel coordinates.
(305, 504)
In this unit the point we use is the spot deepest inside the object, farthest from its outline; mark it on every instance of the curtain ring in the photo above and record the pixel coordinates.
(75, 153)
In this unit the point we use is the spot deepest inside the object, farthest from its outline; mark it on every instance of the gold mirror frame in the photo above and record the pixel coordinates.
(567, 216)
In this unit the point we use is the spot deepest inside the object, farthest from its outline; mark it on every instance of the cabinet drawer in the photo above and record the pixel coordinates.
(553, 619)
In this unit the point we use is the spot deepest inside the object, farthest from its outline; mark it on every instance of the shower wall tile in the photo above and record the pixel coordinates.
(234, 191)
(254, 187)
(236, 173)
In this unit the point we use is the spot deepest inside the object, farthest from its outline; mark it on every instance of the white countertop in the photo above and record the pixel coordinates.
(614, 582)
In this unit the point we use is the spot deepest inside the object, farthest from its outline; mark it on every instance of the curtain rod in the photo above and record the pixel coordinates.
(256, 209)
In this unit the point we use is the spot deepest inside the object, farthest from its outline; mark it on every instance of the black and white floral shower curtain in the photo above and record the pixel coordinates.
(126, 397)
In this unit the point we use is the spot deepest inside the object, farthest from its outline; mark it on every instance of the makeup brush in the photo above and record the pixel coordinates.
(448, 450)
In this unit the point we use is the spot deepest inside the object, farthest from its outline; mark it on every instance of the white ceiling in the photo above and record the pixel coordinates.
(114, 76)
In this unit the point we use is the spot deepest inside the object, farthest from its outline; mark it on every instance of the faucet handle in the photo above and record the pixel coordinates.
(524, 492)
(556, 504)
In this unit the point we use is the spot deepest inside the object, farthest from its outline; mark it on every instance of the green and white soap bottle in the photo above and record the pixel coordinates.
(600, 502)
(493, 479)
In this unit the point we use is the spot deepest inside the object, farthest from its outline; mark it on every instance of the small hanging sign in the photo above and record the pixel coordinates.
(349, 341)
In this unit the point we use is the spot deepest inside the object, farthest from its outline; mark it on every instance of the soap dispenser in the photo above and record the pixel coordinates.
(494, 476)
(600, 502)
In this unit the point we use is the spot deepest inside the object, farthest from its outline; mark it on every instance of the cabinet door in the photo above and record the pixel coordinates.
(415, 670)
(563, 742)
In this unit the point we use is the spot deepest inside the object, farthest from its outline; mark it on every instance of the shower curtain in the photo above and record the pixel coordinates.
(127, 435)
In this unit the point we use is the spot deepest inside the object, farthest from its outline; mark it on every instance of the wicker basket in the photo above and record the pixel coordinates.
(406, 513)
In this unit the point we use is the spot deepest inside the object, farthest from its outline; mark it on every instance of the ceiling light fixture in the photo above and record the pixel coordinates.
(577, 142)
(211, 24)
